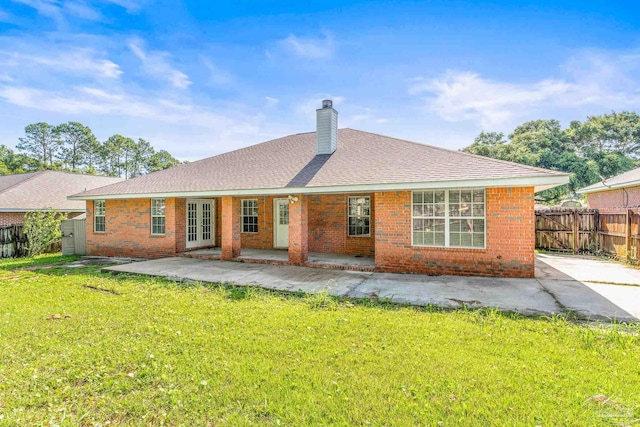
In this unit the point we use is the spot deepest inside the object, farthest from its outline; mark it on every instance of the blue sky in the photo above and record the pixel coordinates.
(198, 78)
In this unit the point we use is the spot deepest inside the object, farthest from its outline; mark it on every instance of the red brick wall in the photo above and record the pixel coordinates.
(230, 219)
(11, 218)
(328, 231)
(181, 224)
(128, 230)
(510, 238)
(299, 230)
(629, 197)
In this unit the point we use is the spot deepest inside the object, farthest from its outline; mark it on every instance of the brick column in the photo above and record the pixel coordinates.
(230, 227)
(299, 231)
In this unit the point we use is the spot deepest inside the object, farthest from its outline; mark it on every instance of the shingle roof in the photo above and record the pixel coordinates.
(47, 189)
(627, 179)
(291, 162)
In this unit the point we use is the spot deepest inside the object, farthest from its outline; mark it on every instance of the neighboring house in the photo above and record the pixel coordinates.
(414, 208)
(45, 190)
(620, 191)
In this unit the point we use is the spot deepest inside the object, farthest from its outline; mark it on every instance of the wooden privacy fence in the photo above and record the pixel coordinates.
(612, 231)
(13, 242)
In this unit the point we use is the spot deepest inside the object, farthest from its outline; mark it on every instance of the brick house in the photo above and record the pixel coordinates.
(44, 190)
(410, 207)
(621, 191)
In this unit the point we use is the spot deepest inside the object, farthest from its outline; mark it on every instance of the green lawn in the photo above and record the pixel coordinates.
(138, 351)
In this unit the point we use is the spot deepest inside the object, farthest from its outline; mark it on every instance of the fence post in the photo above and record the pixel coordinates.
(14, 241)
(627, 232)
(576, 232)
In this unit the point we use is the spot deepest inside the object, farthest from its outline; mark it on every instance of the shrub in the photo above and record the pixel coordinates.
(42, 230)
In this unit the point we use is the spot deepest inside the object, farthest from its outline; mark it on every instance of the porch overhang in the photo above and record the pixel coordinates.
(540, 183)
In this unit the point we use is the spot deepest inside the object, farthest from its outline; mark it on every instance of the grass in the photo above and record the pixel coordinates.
(139, 351)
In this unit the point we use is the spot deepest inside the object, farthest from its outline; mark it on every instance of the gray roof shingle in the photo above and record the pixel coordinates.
(47, 189)
(361, 158)
(627, 179)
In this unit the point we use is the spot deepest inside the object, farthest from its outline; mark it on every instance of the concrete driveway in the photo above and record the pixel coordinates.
(557, 288)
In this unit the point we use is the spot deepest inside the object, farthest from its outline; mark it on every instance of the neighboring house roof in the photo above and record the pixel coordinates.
(363, 161)
(47, 189)
(627, 179)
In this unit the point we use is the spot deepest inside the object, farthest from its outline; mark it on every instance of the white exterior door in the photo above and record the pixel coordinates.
(199, 223)
(281, 223)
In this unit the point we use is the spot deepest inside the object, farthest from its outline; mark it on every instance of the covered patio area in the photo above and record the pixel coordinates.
(279, 256)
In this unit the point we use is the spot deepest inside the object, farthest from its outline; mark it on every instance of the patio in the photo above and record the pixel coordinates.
(279, 256)
(556, 290)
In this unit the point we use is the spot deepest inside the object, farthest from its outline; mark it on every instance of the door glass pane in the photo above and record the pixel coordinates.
(206, 221)
(283, 213)
(192, 222)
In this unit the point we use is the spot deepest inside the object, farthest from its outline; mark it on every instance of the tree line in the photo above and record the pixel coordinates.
(73, 147)
(598, 148)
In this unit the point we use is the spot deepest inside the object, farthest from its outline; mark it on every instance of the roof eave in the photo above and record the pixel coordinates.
(606, 187)
(539, 182)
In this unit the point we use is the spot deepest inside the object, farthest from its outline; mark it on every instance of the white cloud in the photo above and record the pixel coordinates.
(180, 115)
(81, 9)
(217, 76)
(308, 48)
(131, 6)
(58, 10)
(156, 64)
(271, 102)
(75, 61)
(49, 8)
(90, 100)
(591, 78)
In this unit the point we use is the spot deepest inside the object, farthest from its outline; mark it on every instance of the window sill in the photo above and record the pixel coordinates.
(158, 235)
(249, 232)
(358, 235)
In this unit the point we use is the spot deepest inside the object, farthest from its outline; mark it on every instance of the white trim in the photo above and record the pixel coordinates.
(276, 221)
(199, 242)
(99, 216)
(243, 216)
(151, 216)
(447, 231)
(539, 182)
(349, 216)
(610, 187)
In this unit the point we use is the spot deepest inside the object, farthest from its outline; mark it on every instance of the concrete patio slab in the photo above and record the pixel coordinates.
(591, 269)
(554, 292)
(587, 284)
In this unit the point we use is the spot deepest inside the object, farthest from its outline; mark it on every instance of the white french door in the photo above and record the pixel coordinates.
(281, 223)
(200, 223)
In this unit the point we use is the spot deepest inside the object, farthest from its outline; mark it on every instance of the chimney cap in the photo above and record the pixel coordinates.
(327, 103)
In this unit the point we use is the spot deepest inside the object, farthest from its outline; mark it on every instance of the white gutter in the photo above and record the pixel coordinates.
(609, 187)
(539, 182)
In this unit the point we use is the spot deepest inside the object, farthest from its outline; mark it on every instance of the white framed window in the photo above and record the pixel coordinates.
(449, 218)
(249, 216)
(158, 218)
(359, 216)
(99, 214)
